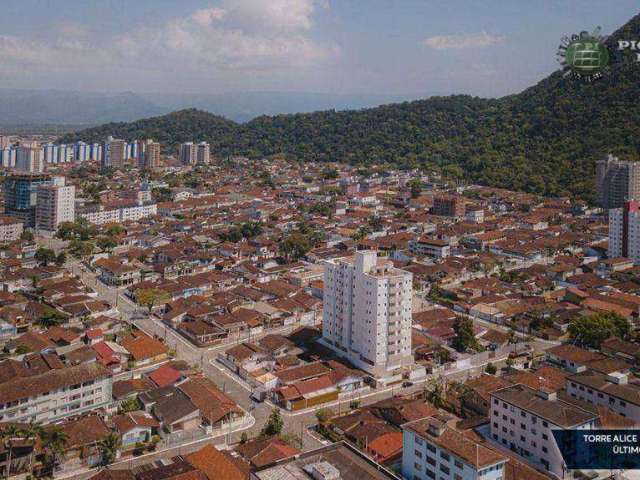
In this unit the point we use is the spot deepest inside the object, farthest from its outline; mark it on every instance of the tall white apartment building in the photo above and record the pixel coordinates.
(522, 419)
(29, 158)
(367, 313)
(203, 153)
(624, 231)
(55, 204)
(432, 449)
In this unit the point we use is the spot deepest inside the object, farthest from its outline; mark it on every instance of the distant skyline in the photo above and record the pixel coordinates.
(402, 47)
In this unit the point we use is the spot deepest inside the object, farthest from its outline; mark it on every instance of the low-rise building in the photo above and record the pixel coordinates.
(431, 449)
(55, 394)
(522, 419)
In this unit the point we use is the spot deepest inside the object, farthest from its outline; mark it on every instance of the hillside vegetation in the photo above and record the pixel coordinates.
(545, 139)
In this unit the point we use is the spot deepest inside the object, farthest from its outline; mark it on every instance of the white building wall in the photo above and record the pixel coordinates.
(367, 313)
(422, 459)
(595, 397)
(527, 434)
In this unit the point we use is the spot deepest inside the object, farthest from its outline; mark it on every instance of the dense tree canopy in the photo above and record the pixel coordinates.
(543, 140)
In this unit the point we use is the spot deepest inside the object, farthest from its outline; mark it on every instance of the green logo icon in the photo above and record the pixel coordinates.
(584, 56)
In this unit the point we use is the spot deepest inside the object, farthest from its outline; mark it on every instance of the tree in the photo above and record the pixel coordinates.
(106, 243)
(591, 330)
(150, 297)
(53, 440)
(274, 424)
(109, 447)
(465, 338)
(45, 256)
(491, 369)
(415, 187)
(435, 393)
(294, 246)
(130, 405)
(61, 258)
(26, 236)
(324, 415)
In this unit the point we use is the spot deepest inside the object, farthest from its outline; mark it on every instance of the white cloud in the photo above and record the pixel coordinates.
(271, 14)
(249, 35)
(472, 40)
(207, 16)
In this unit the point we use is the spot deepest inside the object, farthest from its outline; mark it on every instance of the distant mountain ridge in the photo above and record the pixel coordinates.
(52, 107)
(545, 139)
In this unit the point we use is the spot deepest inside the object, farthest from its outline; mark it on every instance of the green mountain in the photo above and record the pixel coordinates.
(545, 139)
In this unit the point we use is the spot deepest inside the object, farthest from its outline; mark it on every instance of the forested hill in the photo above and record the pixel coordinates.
(545, 139)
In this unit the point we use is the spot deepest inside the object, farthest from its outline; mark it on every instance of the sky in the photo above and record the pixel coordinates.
(400, 47)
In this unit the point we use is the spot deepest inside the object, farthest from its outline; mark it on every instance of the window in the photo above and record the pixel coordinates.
(523, 426)
(544, 449)
(545, 424)
(430, 474)
(523, 415)
(431, 448)
(458, 464)
(417, 466)
(495, 424)
(545, 436)
(419, 441)
(445, 456)
(444, 469)
(418, 453)
(431, 461)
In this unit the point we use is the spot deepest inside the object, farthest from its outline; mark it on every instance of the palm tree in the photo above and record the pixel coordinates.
(109, 447)
(53, 441)
(9, 433)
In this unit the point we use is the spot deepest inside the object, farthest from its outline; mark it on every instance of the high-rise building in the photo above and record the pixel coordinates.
(188, 153)
(21, 195)
(448, 206)
(624, 231)
(5, 142)
(65, 153)
(114, 155)
(8, 157)
(203, 153)
(148, 153)
(29, 158)
(81, 152)
(50, 153)
(617, 182)
(55, 204)
(95, 152)
(367, 313)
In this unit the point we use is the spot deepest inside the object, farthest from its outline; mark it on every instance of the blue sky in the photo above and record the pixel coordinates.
(411, 47)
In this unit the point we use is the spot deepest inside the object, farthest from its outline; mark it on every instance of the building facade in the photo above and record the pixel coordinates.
(10, 229)
(114, 153)
(21, 195)
(616, 182)
(367, 313)
(522, 419)
(203, 153)
(432, 450)
(55, 204)
(624, 231)
(448, 206)
(188, 153)
(55, 394)
(29, 158)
